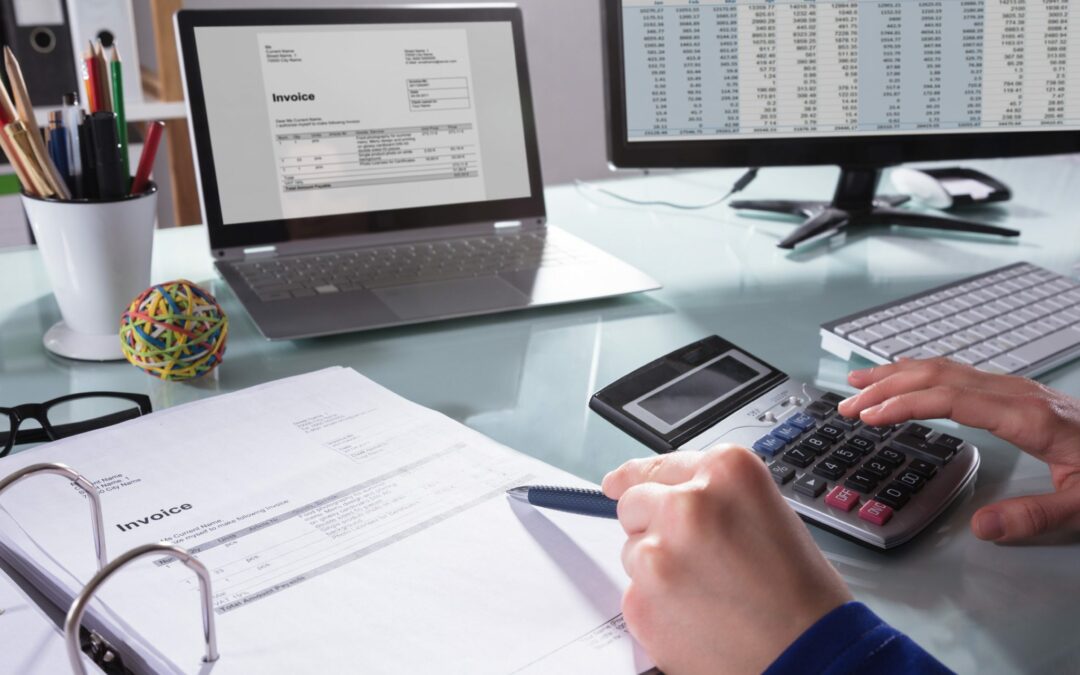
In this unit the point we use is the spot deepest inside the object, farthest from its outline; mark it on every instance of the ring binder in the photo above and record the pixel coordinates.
(78, 608)
(84, 485)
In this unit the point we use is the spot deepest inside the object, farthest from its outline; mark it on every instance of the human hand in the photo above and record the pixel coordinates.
(724, 576)
(1040, 421)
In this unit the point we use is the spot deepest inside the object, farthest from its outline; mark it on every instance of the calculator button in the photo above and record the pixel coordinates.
(846, 423)
(862, 445)
(832, 399)
(828, 468)
(770, 445)
(816, 444)
(894, 496)
(781, 473)
(951, 442)
(876, 433)
(846, 456)
(923, 468)
(918, 430)
(786, 432)
(831, 432)
(878, 469)
(819, 410)
(861, 481)
(802, 421)
(876, 513)
(809, 485)
(938, 454)
(892, 457)
(799, 457)
(912, 480)
(843, 499)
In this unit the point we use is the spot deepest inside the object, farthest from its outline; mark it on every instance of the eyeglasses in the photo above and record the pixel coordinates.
(68, 416)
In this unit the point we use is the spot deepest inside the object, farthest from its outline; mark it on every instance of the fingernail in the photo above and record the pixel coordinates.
(872, 411)
(990, 526)
(848, 401)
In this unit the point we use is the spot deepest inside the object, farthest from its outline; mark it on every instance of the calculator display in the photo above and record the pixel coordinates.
(700, 389)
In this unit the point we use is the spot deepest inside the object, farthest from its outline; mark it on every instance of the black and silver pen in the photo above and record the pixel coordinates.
(571, 500)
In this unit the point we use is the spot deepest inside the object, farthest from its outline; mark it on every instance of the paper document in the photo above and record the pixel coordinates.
(346, 529)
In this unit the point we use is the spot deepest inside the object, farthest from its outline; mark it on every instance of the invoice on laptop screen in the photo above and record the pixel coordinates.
(310, 121)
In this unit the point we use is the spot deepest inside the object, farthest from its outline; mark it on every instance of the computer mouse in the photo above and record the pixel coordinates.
(922, 187)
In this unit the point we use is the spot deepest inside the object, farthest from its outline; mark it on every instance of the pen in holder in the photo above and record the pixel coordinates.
(97, 256)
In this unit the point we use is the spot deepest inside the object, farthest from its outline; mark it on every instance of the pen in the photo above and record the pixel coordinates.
(570, 500)
(57, 142)
(146, 160)
(72, 119)
(110, 178)
(86, 150)
(116, 71)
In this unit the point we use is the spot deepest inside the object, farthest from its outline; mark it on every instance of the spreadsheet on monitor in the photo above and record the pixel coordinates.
(714, 69)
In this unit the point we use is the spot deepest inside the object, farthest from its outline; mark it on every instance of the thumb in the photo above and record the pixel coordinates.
(1026, 517)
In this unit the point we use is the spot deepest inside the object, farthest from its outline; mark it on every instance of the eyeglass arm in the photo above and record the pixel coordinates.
(86, 486)
(75, 615)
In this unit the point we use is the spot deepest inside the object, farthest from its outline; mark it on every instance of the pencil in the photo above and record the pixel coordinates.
(22, 147)
(90, 79)
(25, 111)
(117, 71)
(28, 185)
(102, 67)
(7, 110)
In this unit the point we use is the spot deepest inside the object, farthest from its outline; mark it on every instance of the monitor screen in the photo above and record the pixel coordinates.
(321, 120)
(952, 78)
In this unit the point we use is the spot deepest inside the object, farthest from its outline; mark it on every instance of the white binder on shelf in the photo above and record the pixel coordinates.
(339, 528)
(108, 20)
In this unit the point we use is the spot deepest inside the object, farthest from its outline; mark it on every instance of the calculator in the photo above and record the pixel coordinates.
(878, 486)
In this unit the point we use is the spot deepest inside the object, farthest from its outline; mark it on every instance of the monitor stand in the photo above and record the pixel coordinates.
(855, 205)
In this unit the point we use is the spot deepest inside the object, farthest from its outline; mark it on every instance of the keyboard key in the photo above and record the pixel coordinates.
(831, 469)
(1048, 346)
(894, 495)
(863, 338)
(781, 473)
(816, 445)
(891, 347)
(843, 499)
(911, 480)
(802, 421)
(799, 457)
(876, 513)
(770, 445)
(860, 445)
(787, 432)
(919, 354)
(811, 486)
(846, 456)
(891, 457)
(923, 468)
(860, 481)
(831, 432)
(878, 468)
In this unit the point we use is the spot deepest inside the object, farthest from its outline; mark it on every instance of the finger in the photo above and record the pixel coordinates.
(866, 377)
(926, 374)
(678, 467)
(970, 407)
(639, 505)
(1026, 517)
(629, 553)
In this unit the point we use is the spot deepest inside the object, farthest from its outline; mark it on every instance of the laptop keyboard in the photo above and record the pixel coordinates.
(1020, 319)
(370, 268)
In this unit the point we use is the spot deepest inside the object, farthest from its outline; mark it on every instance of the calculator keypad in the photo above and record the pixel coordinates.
(878, 470)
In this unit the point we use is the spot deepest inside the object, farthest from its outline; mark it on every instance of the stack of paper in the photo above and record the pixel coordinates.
(346, 530)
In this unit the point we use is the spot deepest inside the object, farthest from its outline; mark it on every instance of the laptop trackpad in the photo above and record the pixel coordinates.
(451, 298)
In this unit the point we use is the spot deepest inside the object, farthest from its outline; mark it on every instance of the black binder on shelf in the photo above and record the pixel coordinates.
(39, 33)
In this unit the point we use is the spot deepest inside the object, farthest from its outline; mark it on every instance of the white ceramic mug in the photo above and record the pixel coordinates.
(97, 255)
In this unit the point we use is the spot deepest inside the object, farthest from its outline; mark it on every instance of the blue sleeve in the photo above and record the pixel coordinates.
(853, 640)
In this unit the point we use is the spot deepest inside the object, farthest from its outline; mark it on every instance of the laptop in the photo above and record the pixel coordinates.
(376, 167)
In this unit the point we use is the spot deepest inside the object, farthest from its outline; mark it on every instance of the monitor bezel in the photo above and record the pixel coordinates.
(848, 151)
(276, 232)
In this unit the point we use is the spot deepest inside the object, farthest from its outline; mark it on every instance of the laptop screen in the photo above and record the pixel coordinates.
(321, 120)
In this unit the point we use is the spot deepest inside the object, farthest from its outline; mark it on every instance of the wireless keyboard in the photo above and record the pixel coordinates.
(879, 486)
(1020, 320)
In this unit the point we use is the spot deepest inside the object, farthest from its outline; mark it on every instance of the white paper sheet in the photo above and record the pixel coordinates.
(346, 529)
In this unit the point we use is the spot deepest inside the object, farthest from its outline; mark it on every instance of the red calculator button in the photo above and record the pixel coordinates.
(842, 498)
(875, 512)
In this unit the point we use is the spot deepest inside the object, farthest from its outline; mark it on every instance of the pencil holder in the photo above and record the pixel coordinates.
(97, 256)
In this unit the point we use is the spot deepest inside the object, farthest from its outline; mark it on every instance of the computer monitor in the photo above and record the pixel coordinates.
(864, 85)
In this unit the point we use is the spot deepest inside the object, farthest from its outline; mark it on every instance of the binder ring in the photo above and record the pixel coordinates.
(78, 608)
(84, 485)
